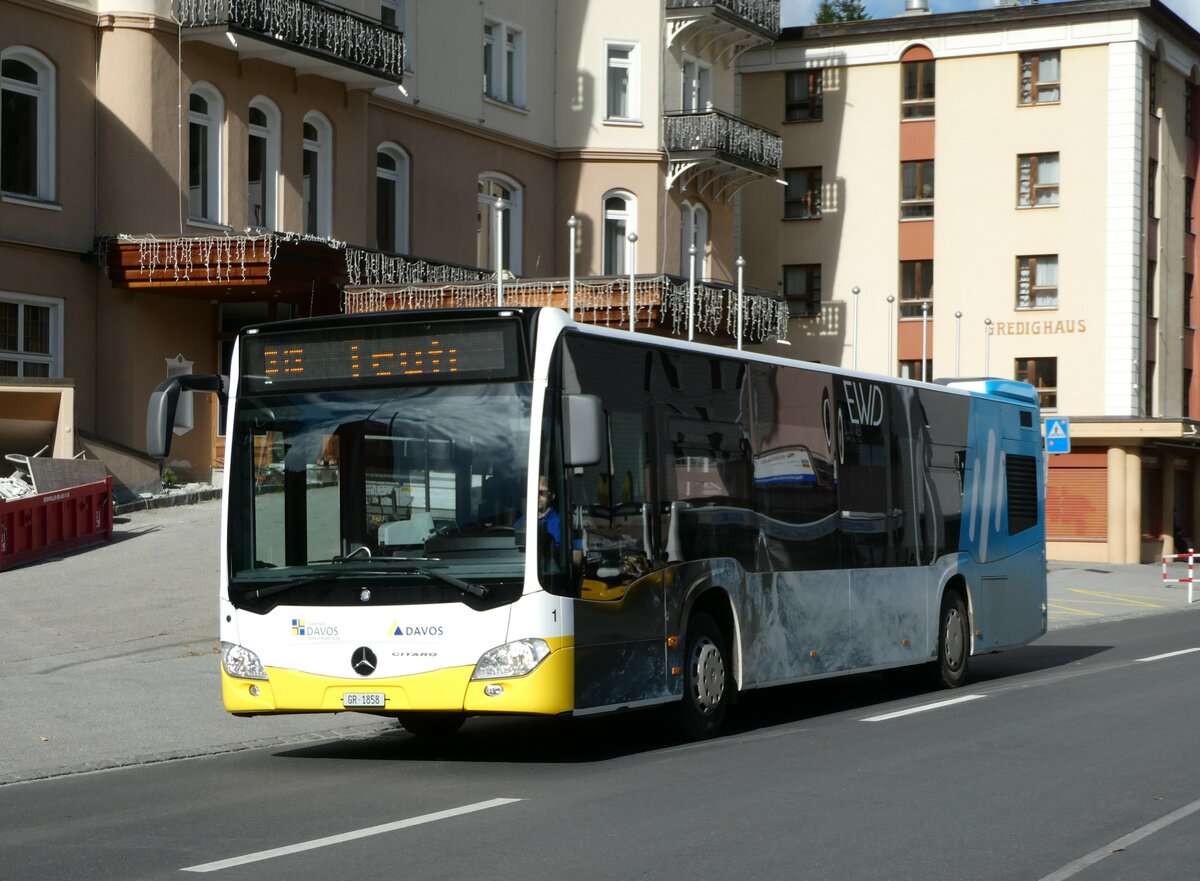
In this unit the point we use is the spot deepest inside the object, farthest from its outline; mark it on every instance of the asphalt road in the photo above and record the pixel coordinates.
(1071, 758)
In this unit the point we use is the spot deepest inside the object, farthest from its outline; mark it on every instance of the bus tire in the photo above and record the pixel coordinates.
(432, 724)
(707, 679)
(954, 641)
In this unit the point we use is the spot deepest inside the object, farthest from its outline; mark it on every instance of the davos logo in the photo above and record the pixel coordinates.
(313, 629)
(864, 402)
(411, 630)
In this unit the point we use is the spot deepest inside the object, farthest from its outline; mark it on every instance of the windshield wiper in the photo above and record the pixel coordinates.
(468, 587)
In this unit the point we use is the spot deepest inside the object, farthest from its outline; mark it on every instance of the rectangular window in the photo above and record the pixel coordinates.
(802, 289)
(1042, 374)
(1152, 189)
(1037, 180)
(916, 288)
(1040, 78)
(918, 89)
(1188, 281)
(30, 340)
(1152, 87)
(696, 94)
(802, 196)
(804, 102)
(19, 132)
(1189, 193)
(1037, 282)
(622, 73)
(912, 370)
(1151, 272)
(916, 189)
(504, 62)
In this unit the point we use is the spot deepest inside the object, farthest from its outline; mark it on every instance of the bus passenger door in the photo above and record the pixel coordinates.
(619, 650)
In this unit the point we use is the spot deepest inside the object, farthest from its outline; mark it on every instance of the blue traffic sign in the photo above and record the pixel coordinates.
(1058, 434)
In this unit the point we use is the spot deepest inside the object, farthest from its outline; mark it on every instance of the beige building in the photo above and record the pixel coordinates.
(175, 169)
(1006, 192)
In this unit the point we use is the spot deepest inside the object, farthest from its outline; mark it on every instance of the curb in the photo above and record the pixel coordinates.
(171, 500)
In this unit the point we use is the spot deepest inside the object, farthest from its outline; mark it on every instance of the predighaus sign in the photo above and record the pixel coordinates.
(1043, 327)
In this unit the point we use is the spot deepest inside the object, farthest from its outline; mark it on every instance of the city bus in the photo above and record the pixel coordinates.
(442, 514)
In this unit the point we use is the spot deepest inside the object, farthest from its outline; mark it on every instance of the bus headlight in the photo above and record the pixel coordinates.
(511, 659)
(239, 661)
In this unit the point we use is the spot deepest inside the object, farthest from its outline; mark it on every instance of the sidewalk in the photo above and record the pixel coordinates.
(1084, 593)
(110, 654)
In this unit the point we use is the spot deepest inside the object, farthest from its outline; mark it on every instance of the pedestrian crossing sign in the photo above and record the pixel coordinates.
(1058, 435)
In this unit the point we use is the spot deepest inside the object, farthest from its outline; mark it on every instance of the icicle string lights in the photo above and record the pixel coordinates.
(319, 27)
(596, 302)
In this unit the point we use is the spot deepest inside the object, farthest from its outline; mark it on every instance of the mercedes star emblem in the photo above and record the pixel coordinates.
(363, 661)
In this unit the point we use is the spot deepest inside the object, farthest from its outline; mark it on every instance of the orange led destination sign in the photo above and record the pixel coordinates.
(357, 353)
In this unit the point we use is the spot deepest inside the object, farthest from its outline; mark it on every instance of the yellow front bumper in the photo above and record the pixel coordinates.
(548, 690)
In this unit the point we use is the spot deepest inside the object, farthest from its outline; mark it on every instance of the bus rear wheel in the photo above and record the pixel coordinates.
(954, 642)
(708, 687)
(432, 724)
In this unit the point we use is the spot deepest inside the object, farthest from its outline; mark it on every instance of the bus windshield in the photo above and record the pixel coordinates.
(368, 479)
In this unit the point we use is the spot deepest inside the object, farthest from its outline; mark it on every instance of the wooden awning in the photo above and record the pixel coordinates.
(238, 267)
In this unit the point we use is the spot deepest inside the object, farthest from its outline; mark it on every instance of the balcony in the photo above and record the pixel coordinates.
(729, 27)
(310, 37)
(719, 152)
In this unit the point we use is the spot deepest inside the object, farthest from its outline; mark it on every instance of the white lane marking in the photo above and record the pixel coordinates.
(1167, 655)
(923, 708)
(348, 836)
(1121, 843)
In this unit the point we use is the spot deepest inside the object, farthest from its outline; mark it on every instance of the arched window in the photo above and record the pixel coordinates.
(493, 186)
(206, 114)
(318, 175)
(262, 164)
(391, 198)
(27, 125)
(620, 219)
(694, 231)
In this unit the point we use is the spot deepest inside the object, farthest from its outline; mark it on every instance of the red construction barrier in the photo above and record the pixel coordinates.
(46, 524)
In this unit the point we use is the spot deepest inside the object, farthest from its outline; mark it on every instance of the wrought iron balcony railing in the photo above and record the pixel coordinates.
(728, 138)
(316, 29)
(762, 14)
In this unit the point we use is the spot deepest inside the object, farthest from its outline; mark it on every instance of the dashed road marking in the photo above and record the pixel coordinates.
(1168, 655)
(923, 708)
(349, 836)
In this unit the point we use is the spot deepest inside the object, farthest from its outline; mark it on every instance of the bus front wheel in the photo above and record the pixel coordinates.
(707, 681)
(432, 724)
(954, 642)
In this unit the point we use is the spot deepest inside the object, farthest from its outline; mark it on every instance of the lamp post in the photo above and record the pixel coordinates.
(924, 340)
(632, 261)
(856, 292)
(891, 330)
(957, 343)
(691, 291)
(573, 226)
(499, 251)
(987, 346)
(741, 265)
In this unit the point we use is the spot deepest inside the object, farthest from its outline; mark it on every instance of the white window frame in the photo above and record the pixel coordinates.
(514, 221)
(214, 122)
(402, 16)
(400, 179)
(55, 358)
(323, 147)
(506, 86)
(616, 264)
(44, 92)
(694, 230)
(633, 72)
(696, 83)
(271, 170)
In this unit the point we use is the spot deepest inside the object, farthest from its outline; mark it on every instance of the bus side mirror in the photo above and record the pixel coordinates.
(583, 430)
(160, 412)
